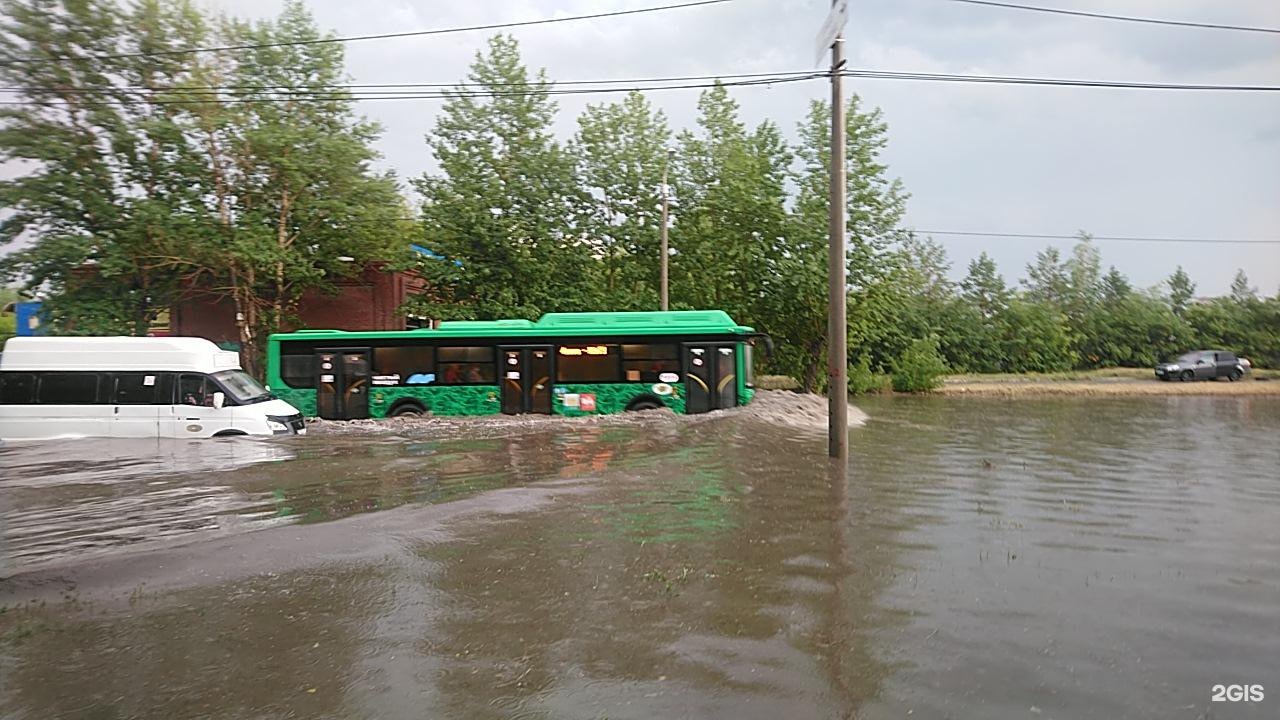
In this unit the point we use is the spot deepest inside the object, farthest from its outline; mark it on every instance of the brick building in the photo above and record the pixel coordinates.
(368, 301)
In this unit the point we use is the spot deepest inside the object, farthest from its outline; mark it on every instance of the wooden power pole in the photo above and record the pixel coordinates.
(837, 327)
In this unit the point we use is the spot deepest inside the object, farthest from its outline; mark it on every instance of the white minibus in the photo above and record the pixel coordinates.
(55, 387)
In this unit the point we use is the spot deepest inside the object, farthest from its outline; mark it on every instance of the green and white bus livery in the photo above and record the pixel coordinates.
(573, 364)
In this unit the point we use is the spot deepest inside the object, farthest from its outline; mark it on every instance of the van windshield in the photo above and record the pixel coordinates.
(242, 387)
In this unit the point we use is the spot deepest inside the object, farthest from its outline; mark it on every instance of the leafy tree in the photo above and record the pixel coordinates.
(1048, 279)
(798, 275)
(1181, 290)
(506, 208)
(105, 190)
(622, 150)
(1115, 286)
(1034, 338)
(1241, 291)
(984, 288)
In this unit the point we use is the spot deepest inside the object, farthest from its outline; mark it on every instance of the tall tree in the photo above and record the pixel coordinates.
(1048, 280)
(1181, 290)
(876, 204)
(105, 187)
(622, 151)
(984, 287)
(1115, 286)
(506, 207)
(1241, 291)
(291, 190)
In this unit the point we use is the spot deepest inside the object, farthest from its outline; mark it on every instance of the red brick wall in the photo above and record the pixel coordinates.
(366, 302)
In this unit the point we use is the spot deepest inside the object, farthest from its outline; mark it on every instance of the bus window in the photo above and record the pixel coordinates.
(298, 371)
(136, 388)
(17, 388)
(587, 363)
(647, 363)
(466, 365)
(409, 365)
(68, 389)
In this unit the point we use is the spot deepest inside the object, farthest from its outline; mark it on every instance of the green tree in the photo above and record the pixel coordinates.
(1241, 291)
(984, 287)
(1181, 290)
(1115, 286)
(920, 368)
(1048, 278)
(105, 189)
(293, 201)
(506, 207)
(622, 150)
(876, 204)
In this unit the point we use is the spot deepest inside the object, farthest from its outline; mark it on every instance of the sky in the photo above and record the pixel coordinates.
(1004, 159)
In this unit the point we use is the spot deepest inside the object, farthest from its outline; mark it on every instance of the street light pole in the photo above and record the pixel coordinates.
(837, 327)
(666, 202)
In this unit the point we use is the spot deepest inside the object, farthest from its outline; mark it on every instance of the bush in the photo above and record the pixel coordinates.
(920, 368)
(863, 380)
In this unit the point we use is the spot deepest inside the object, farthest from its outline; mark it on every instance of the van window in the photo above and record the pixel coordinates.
(68, 389)
(137, 388)
(17, 388)
(195, 390)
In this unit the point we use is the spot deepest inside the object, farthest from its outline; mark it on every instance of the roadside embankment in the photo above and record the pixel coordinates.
(1108, 383)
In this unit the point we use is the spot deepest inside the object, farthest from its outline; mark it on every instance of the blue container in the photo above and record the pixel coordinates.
(28, 316)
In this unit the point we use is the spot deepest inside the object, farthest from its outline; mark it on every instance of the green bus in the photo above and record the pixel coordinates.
(690, 361)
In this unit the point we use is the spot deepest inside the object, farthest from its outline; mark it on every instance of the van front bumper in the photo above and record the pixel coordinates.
(292, 424)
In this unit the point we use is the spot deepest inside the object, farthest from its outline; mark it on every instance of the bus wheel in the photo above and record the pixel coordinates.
(230, 433)
(646, 403)
(407, 409)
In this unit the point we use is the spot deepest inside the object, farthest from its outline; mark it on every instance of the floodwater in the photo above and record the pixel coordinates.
(978, 558)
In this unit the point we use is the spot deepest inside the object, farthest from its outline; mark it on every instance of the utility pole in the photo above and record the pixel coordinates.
(837, 327)
(666, 201)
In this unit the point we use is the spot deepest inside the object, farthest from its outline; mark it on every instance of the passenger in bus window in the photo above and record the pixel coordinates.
(473, 375)
(451, 375)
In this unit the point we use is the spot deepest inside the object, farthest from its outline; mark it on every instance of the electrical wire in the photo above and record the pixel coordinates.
(1060, 82)
(1125, 18)
(355, 38)
(1115, 238)
(339, 94)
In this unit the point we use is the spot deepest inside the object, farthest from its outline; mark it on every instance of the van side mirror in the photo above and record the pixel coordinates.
(219, 400)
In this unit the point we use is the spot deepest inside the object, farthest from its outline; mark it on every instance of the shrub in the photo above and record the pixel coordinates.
(862, 379)
(920, 367)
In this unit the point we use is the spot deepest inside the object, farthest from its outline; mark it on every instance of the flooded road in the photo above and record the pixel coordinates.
(978, 558)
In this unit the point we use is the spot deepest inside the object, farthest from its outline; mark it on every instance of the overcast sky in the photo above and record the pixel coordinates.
(973, 157)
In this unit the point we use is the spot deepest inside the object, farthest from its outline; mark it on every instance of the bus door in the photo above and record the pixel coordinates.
(526, 379)
(710, 373)
(342, 383)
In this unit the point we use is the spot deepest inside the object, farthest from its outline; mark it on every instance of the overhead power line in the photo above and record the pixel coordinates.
(1060, 82)
(1125, 18)
(1115, 238)
(431, 91)
(138, 96)
(380, 36)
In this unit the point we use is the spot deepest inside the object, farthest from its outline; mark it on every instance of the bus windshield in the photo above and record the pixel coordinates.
(242, 387)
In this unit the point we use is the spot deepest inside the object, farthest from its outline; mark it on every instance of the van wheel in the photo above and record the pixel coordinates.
(407, 409)
(644, 404)
(230, 433)
(1235, 375)
(1187, 376)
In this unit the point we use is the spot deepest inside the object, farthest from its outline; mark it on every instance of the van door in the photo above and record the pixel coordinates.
(192, 413)
(136, 403)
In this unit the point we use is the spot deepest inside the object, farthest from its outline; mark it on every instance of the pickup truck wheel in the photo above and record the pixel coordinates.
(1235, 374)
(1187, 376)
